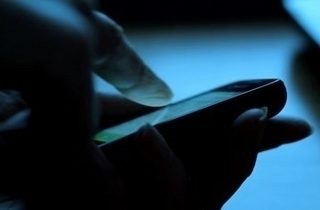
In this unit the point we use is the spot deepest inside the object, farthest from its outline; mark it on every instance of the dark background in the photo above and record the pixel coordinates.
(176, 11)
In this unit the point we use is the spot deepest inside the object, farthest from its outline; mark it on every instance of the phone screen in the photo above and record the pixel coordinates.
(179, 109)
(164, 114)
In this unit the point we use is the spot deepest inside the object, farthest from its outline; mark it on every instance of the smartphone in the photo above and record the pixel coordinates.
(213, 109)
(305, 14)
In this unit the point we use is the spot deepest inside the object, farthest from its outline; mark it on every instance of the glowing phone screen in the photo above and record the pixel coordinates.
(164, 114)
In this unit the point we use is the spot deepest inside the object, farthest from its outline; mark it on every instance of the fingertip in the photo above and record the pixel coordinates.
(149, 91)
(117, 63)
(291, 128)
(305, 128)
(285, 130)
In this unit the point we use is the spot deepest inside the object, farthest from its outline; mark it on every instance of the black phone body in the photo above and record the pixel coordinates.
(213, 109)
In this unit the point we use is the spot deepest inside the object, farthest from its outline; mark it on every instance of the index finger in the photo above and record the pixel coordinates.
(121, 66)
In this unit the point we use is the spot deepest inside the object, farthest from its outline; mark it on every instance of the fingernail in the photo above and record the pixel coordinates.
(145, 87)
(149, 91)
(265, 112)
(262, 125)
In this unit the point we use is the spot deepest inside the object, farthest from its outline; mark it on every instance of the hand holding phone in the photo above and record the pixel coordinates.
(216, 152)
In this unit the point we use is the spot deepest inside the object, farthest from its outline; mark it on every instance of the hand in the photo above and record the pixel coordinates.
(210, 168)
(218, 158)
(211, 184)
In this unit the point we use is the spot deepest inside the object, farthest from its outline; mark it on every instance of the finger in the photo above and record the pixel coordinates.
(167, 170)
(284, 130)
(248, 129)
(121, 66)
(10, 103)
(104, 188)
(16, 123)
(154, 177)
(237, 158)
